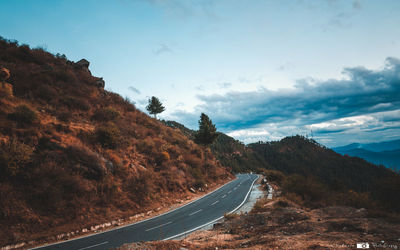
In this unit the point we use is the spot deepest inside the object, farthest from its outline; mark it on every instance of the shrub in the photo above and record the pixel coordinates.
(106, 114)
(65, 116)
(259, 206)
(162, 158)
(193, 161)
(274, 176)
(86, 162)
(108, 135)
(14, 156)
(231, 216)
(140, 187)
(146, 146)
(108, 189)
(129, 104)
(198, 177)
(23, 114)
(308, 188)
(46, 92)
(76, 103)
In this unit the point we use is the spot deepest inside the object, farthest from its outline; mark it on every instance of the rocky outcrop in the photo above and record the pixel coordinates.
(100, 83)
(4, 74)
(83, 64)
(6, 89)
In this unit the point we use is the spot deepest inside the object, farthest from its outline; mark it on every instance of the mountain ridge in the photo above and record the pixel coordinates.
(385, 153)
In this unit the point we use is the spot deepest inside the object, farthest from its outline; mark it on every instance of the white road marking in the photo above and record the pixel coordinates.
(235, 188)
(195, 212)
(224, 196)
(215, 202)
(229, 191)
(139, 222)
(158, 226)
(208, 223)
(105, 242)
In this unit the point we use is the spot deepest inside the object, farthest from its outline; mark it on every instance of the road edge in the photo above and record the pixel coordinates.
(137, 222)
(217, 219)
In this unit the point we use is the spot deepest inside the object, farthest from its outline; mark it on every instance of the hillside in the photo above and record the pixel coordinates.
(229, 151)
(73, 155)
(320, 176)
(320, 200)
(315, 174)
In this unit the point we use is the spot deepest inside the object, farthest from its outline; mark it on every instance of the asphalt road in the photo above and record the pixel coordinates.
(172, 224)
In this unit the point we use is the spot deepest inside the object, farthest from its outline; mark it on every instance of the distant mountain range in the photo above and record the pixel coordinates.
(386, 153)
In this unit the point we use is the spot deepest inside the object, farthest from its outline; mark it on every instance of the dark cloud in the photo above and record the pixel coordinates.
(163, 48)
(133, 89)
(366, 95)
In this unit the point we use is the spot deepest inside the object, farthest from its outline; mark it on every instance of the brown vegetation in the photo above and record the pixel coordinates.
(74, 155)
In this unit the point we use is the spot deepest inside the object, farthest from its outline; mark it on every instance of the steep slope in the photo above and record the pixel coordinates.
(74, 155)
(229, 151)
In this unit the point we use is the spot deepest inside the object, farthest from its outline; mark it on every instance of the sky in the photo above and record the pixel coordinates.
(260, 69)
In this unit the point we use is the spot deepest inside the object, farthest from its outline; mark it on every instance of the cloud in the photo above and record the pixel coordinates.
(133, 89)
(362, 99)
(357, 5)
(340, 20)
(286, 67)
(224, 85)
(200, 88)
(163, 48)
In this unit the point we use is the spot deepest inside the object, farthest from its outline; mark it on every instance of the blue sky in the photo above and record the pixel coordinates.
(260, 69)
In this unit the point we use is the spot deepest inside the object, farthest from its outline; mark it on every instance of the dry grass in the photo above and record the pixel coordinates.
(92, 156)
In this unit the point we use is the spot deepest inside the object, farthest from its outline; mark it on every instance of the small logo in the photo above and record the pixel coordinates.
(364, 245)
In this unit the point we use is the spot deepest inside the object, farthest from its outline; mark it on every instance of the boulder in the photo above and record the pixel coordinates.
(83, 64)
(4, 74)
(6, 89)
(100, 83)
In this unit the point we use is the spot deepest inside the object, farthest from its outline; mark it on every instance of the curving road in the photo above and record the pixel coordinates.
(175, 223)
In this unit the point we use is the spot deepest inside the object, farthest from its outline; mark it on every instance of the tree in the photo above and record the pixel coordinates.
(207, 132)
(155, 106)
(206, 135)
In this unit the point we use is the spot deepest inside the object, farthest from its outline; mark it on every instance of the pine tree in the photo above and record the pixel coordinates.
(155, 106)
(207, 132)
(206, 135)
